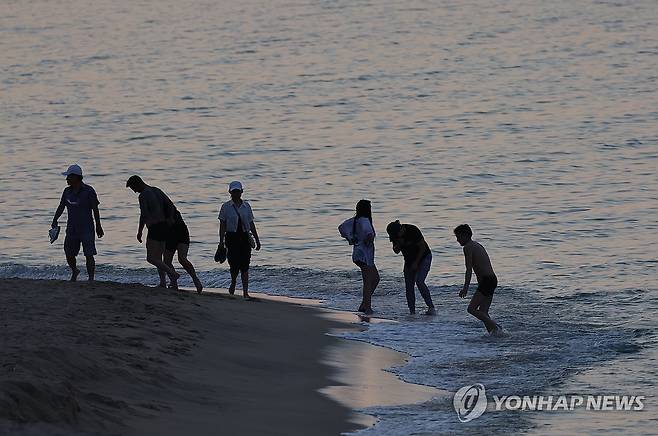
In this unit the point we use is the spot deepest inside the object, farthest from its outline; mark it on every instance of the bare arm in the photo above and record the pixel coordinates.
(140, 228)
(252, 227)
(97, 217)
(396, 247)
(468, 259)
(58, 213)
(222, 232)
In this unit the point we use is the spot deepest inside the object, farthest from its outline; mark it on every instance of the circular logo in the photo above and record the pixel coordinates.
(470, 402)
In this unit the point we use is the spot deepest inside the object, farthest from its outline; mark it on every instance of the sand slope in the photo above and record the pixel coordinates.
(108, 358)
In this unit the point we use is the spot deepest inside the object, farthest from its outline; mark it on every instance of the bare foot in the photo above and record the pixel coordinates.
(199, 286)
(173, 280)
(74, 275)
(498, 331)
(162, 285)
(430, 311)
(231, 289)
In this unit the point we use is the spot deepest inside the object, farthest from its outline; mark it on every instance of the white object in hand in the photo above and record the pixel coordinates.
(53, 233)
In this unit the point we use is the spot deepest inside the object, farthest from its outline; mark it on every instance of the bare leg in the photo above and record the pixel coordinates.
(168, 258)
(409, 282)
(245, 284)
(375, 280)
(91, 267)
(365, 299)
(163, 279)
(234, 279)
(154, 256)
(479, 302)
(484, 307)
(187, 265)
(74, 269)
(486, 304)
(371, 279)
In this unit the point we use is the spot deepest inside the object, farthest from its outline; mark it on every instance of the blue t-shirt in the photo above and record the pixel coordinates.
(79, 207)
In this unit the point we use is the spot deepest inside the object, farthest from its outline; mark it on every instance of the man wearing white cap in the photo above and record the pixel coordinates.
(236, 222)
(80, 201)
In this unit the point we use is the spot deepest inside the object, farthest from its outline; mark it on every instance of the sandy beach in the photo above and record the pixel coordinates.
(109, 358)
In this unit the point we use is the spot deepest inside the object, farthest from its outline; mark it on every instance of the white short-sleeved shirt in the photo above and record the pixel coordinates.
(228, 215)
(364, 251)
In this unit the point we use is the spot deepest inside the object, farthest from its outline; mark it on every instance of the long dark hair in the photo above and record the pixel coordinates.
(363, 209)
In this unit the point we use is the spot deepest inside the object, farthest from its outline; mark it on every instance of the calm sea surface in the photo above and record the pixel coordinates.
(534, 122)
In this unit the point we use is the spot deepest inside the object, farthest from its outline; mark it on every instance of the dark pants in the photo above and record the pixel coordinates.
(417, 278)
(238, 251)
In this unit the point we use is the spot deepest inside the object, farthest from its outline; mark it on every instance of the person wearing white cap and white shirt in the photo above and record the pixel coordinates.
(80, 201)
(236, 221)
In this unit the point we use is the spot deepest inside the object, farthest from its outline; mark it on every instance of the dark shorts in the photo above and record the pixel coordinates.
(158, 232)
(73, 240)
(487, 285)
(178, 234)
(238, 251)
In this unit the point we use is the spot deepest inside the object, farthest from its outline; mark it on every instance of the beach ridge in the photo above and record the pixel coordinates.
(115, 358)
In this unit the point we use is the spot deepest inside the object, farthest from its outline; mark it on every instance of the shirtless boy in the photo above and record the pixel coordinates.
(477, 260)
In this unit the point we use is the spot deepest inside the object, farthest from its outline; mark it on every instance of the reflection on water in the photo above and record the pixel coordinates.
(532, 121)
(363, 383)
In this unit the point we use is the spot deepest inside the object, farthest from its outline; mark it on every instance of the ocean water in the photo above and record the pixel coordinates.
(534, 122)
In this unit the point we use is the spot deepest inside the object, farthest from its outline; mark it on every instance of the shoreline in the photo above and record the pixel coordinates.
(125, 358)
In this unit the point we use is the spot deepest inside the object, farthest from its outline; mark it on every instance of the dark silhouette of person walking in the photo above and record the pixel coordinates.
(236, 227)
(80, 201)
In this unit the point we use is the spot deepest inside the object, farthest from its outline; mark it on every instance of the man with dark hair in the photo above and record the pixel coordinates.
(477, 260)
(80, 201)
(157, 213)
(417, 262)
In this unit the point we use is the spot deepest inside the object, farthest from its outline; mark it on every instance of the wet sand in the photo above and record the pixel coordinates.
(113, 358)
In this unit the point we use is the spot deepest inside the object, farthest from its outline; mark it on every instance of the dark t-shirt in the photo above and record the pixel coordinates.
(155, 207)
(79, 206)
(409, 244)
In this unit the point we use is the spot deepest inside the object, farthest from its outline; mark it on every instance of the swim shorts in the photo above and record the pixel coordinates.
(178, 234)
(158, 232)
(487, 285)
